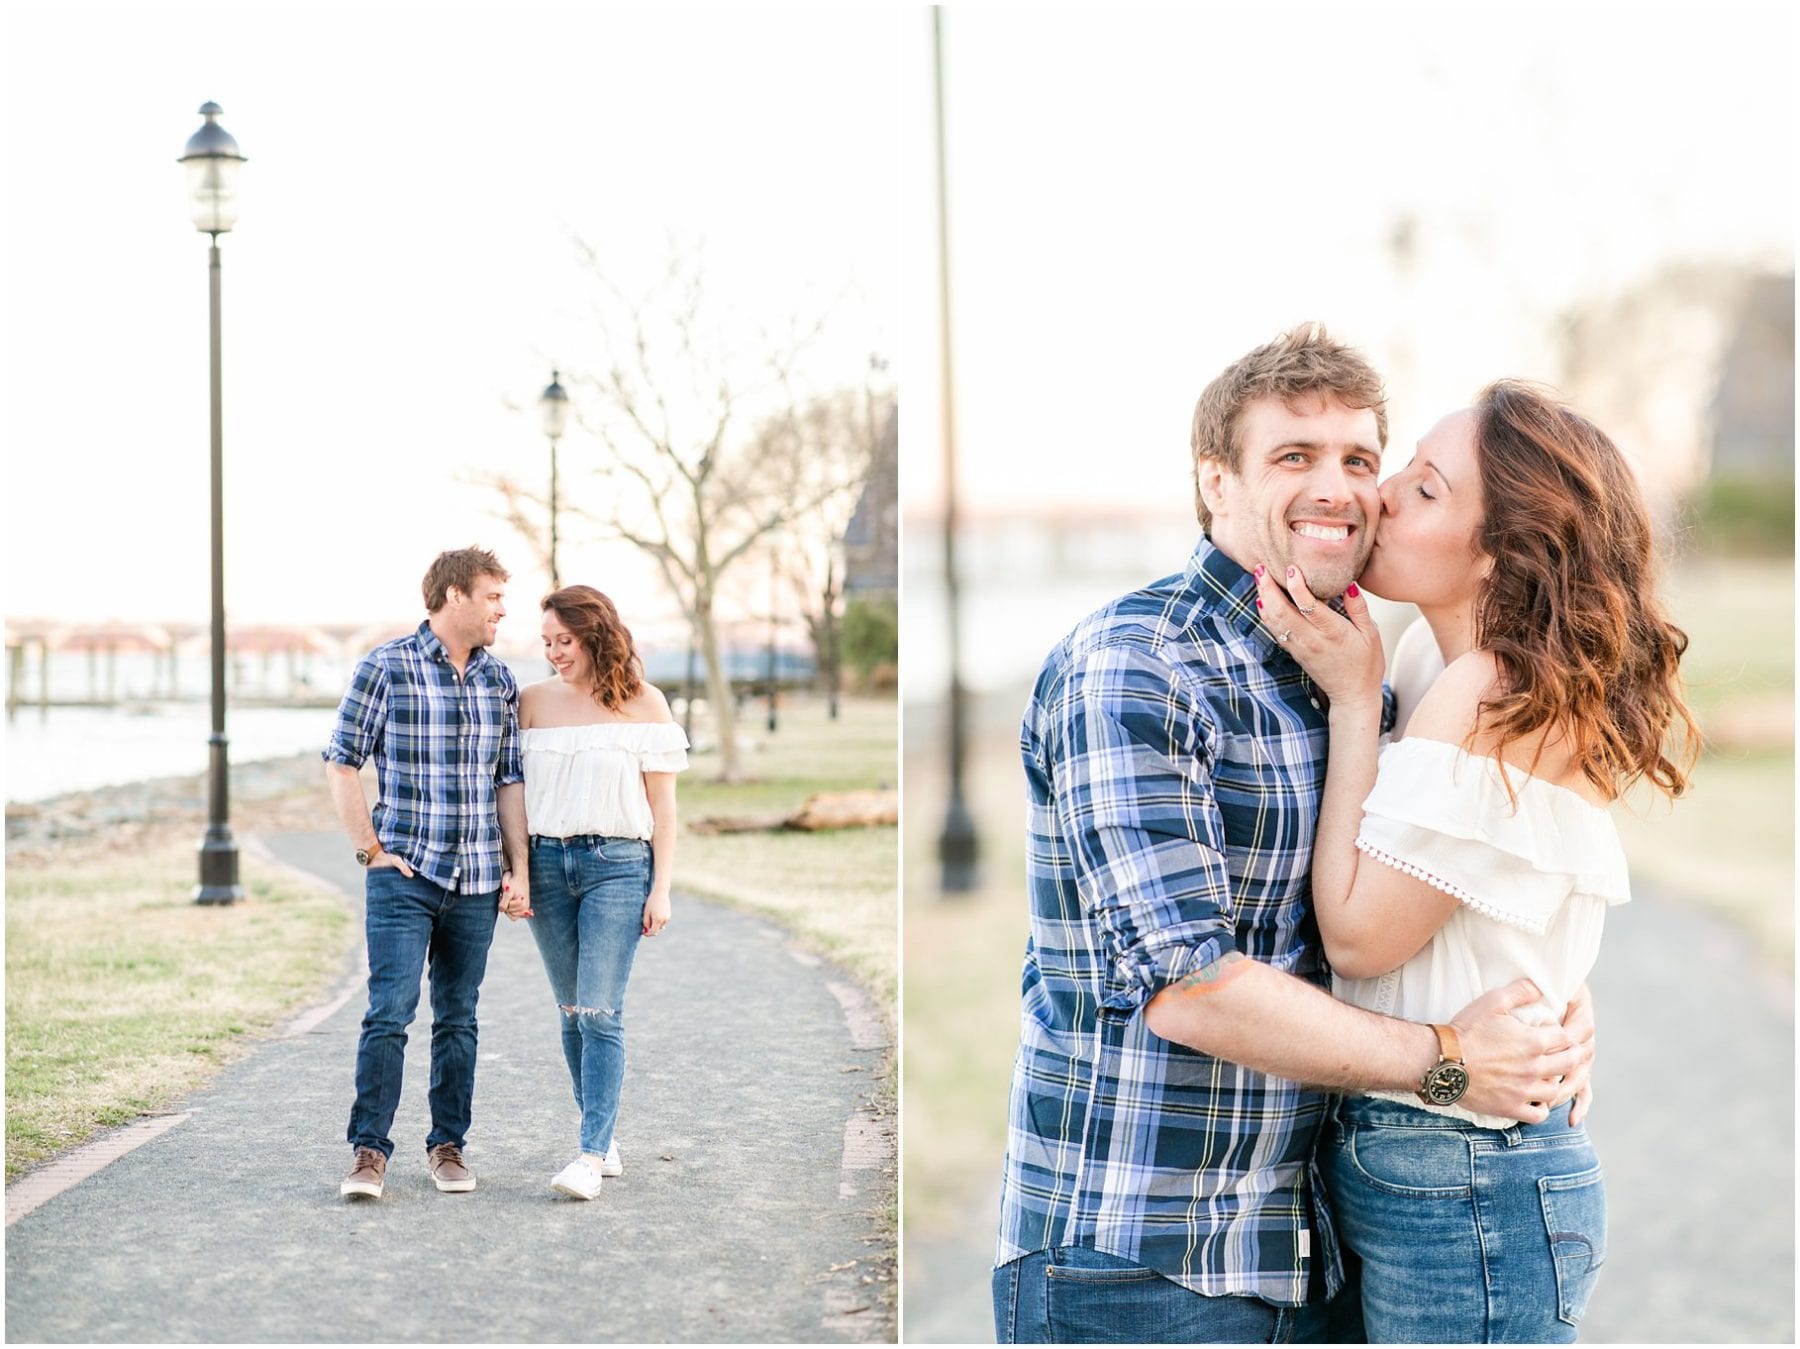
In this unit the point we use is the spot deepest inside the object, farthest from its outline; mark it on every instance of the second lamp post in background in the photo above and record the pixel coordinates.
(554, 404)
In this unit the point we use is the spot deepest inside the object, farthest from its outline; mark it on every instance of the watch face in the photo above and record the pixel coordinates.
(1445, 1084)
(362, 857)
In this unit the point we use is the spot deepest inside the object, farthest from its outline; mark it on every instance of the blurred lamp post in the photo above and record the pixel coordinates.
(959, 849)
(687, 690)
(554, 404)
(212, 161)
(774, 576)
(833, 584)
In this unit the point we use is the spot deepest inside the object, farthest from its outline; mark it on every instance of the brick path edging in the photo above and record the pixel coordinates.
(69, 1170)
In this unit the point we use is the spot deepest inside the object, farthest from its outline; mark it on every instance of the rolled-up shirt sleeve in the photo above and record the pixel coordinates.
(361, 717)
(1134, 798)
(509, 767)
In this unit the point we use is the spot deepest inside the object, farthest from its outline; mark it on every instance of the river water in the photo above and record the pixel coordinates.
(68, 749)
(143, 733)
(55, 750)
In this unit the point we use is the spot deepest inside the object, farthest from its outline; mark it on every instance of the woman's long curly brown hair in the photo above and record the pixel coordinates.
(1569, 610)
(618, 674)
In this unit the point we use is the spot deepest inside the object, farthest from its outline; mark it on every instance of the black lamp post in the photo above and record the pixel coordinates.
(774, 574)
(212, 161)
(554, 404)
(833, 582)
(959, 847)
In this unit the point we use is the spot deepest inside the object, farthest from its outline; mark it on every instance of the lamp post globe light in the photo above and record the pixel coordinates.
(213, 162)
(554, 404)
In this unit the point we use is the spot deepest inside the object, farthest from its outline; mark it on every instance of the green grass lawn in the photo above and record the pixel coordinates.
(963, 958)
(836, 889)
(1729, 843)
(122, 994)
(1739, 618)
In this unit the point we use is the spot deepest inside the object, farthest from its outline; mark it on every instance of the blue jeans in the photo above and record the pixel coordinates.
(587, 895)
(1074, 1295)
(411, 922)
(1467, 1235)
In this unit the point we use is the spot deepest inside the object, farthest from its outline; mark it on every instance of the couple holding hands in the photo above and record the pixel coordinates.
(553, 803)
(1305, 1032)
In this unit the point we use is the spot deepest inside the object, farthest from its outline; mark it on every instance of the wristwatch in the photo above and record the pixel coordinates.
(1446, 1081)
(364, 856)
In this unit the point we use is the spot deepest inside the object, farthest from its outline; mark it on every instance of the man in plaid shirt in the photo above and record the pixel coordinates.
(1159, 1181)
(440, 716)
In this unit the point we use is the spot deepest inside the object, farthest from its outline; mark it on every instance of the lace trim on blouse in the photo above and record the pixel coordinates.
(1455, 892)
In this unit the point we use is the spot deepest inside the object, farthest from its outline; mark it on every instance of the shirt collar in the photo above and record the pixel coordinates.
(1232, 592)
(435, 650)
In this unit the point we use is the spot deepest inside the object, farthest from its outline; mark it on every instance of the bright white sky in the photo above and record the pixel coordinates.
(1138, 198)
(400, 272)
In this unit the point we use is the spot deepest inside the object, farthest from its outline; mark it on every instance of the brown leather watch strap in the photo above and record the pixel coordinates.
(1449, 1046)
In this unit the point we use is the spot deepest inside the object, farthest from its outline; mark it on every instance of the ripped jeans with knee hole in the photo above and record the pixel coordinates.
(587, 897)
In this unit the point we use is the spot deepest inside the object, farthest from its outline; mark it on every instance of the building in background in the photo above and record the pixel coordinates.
(872, 540)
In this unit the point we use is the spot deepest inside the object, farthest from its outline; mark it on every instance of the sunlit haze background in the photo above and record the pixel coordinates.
(401, 279)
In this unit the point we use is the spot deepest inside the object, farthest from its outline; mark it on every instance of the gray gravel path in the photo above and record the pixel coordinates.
(1694, 1122)
(755, 1171)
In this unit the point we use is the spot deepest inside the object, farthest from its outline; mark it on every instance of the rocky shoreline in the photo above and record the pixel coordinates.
(284, 793)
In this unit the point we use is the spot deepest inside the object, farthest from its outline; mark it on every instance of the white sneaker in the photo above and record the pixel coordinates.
(612, 1166)
(580, 1179)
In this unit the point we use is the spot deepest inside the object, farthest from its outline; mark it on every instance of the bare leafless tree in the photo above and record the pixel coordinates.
(708, 449)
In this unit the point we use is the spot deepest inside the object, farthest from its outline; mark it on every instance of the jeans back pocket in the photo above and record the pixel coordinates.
(1575, 1218)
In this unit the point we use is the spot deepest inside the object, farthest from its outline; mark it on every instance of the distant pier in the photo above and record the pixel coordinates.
(130, 666)
(125, 665)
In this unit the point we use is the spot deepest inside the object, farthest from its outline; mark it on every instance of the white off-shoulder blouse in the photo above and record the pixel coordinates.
(589, 779)
(1535, 880)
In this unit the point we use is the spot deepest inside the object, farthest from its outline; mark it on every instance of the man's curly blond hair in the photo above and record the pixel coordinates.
(1302, 361)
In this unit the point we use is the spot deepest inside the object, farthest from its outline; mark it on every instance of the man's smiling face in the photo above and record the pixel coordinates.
(475, 617)
(1305, 493)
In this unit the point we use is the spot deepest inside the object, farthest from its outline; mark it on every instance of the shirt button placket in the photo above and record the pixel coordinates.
(462, 761)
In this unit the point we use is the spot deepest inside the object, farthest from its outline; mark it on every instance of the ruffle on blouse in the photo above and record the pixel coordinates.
(660, 746)
(1443, 815)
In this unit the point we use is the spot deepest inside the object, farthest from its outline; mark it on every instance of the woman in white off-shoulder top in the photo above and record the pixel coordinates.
(1477, 846)
(601, 753)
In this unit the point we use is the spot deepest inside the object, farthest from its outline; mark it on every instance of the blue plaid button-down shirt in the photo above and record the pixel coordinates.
(1175, 757)
(443, 746)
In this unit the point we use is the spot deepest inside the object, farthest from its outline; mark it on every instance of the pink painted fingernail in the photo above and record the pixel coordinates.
(1259, 601)
(1291, 571)
(1351, 590)
(1259, 571)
